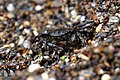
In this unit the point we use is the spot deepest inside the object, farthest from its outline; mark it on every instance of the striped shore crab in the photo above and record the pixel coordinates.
(60, 41)
(74, 37)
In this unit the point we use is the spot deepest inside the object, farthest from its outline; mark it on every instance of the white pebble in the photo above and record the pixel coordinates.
(81, 78)
(26, 44)
(52, 78)
(35, 33)
(106, 77)
(30, 78)
(82, 56)
(113, 19)
(10, 7)
(101, 71)
(73, 13)
(46, 57)
(117, 69)
(48, 26)
(82, 18)
(12, 45)
(67, 60)
(98, 28)
(38, 8)
(27, 31)
(33, 67)
(45, 76)
(21, 39)
(93, 4)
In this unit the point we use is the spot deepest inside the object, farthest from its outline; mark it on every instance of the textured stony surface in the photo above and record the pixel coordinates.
(46, 40)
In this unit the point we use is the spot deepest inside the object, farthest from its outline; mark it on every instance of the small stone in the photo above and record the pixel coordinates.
(56, 66)
(73, 59)
(106, 77)
(10, 15)
(26, 44)
(46, 57)
(96, 50)
(45, 75)
(117, 77)
(57, 3)
(117, 69)
(12, 45)
(38, 7)
(98, 28)
(93, 4)
(73, 13)
(67, 60)
(74, 73)
(81, 78)
(27, 31)
(52, 78)
(49, 12)
(113, 19)
(48, 26)
(63, 57)
(82, 18)
(21, 27)
(76, 51)
(33, 67)
(30, 78)
(101, 71)
(21, 39)
(2, 18)
(82, 56)
(35, 33)
(6, 46)
(1, 7)
(26, 23)
(10, 7)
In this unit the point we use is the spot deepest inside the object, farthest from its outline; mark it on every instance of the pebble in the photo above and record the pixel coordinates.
(101, 71)
(38, 7)
(106, 77)
(56, 3)
(82, 18)
(81, 78)
(12, 45)
(2, 18)
(86, 73)
(93, 4)
(1, 7)
(96, 50)
(26, 23)
(52, 78)
(98, 28)
(33, 67)
(117, 69)
(113, 19)
(45, 75)
(5, 46)
(82, 56)
(26, 44)
(73, 59)
(10, 7)
(67, 60)
(30, 78)
(27, 31)
(21, 39)
(73, 13)
(35, 33)
(10, 15)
